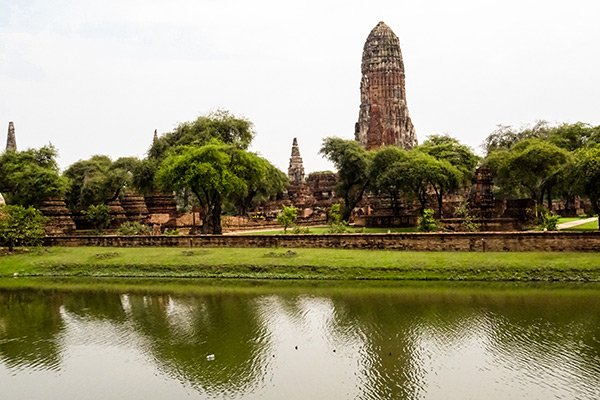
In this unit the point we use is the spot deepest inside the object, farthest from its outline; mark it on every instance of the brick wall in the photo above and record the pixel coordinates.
(482, 241)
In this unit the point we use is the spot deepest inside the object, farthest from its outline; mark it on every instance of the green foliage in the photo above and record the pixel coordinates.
(468, 220)
(287, 217)
(586, 174)
(427, 222)
(336, 223)
(171, 232)
(217, 173)
(20, 226)
(220, 125)
(29, 177)
(301, 230)
(133, 229)
(529, 168)
(548, 221)
(99, 180)
(98, 216)
(353, 164)
(449, 149)
(566, 136)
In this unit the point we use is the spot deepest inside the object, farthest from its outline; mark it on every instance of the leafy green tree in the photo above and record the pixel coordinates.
(530, 167)
(263, 181)
(336, 223)
(220, 125)
(287, 217)
(29, 177)
(505, 137)
(587, 176)
(383, 180)
(99, 180)
(215, 173)
(353, 164)
(98, 215)
(449, 149)
(20, 226)
(574, 136)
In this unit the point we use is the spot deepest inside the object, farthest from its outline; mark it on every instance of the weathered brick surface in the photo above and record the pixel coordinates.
(383, 118)
(483, 241)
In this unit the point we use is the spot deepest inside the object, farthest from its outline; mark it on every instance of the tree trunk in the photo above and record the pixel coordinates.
(549, 198)
(216, 218)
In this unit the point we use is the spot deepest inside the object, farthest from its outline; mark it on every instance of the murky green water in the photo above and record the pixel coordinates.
(300, 341)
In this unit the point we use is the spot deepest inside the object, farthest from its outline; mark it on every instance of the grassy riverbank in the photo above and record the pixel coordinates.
(262, 263)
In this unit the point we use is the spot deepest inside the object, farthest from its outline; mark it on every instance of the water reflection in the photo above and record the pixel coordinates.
(272, 342)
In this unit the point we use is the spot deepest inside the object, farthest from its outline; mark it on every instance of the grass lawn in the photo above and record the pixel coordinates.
(589, 226)
(562, 220)
(320, 230)
(272, 263)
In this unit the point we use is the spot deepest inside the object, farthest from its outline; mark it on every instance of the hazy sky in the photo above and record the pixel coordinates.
(97, 77)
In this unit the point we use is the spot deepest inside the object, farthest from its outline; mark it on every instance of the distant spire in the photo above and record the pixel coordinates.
(155, 136)
(11, 141)
(296, 169)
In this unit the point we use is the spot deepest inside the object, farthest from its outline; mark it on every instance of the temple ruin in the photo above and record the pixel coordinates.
(11, 140)
(383, 118)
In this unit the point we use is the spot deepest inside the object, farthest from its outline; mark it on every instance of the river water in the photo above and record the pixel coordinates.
(299, 340)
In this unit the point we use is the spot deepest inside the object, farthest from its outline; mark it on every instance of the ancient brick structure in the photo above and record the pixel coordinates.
(59, 217)
(481, 198)
(117, 213)
(383, 118)
(11, 140)
(296, 168)
(135, 207)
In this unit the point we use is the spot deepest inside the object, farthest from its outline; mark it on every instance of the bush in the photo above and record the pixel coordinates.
(336, 223)
(98, 216)
(20, 226)
(171, 232)
(548, 221)
(298, 230)
(427, 222)
(133, 229)
(287, 217)
(468, 221)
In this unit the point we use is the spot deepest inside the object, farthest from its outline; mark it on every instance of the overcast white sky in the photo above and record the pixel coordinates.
(97, 77)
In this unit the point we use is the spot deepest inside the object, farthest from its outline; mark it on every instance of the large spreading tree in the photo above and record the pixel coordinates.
(215, 173)
(29, 177)
(353, 163)
(98, 180)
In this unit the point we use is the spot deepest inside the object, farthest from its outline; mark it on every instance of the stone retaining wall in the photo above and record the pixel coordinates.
(482, 241)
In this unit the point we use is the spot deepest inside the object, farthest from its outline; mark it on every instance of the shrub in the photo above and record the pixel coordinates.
(427, 222)
(336, 223)
(548, 221)
(287, 217)
(171, 232)
(98, 216)
(133, 229)
(468, 221)
(20, 226)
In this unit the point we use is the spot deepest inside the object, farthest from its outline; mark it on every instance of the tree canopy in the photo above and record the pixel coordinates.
(98, 180)
(216, 173)
(586, 174)
(353, 163)
(220, 125)
(29, 177)
(529, 168)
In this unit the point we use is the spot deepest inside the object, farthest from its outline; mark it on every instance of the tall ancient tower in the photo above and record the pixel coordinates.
(11, 141)
(383, 118)
(296, 168)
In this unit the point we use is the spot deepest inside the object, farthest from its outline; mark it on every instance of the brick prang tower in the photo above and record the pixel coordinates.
(383, 118)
